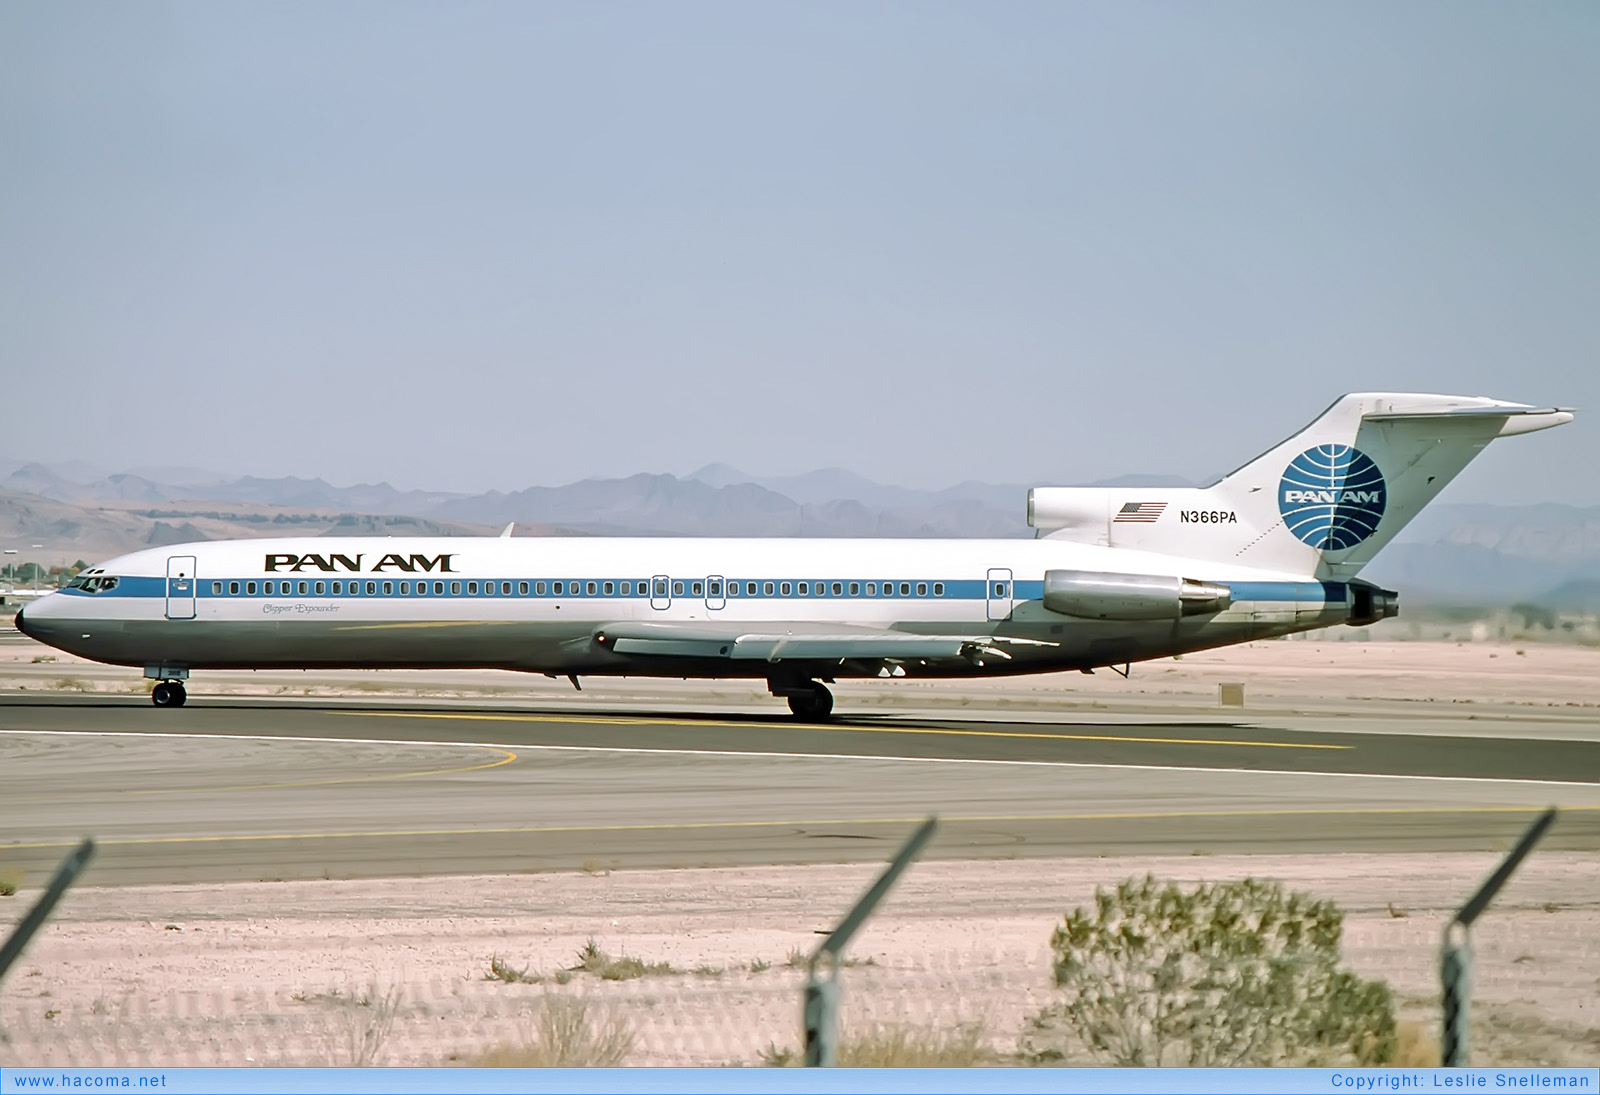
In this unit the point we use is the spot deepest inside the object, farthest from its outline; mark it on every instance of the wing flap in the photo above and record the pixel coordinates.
(719, 641)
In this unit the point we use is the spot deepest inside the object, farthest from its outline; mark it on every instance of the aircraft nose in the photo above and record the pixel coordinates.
(18, 623)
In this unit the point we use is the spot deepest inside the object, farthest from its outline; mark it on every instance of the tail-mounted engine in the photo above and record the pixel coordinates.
(1093, 595)
(1370, 603)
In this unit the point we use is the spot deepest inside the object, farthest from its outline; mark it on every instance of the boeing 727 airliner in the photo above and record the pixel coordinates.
(1114, 576)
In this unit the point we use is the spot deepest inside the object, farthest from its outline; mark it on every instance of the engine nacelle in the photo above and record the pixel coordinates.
(1370, 603)
(1093, 595)
(1051, 508)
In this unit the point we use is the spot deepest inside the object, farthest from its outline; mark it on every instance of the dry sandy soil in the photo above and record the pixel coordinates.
(301, 972)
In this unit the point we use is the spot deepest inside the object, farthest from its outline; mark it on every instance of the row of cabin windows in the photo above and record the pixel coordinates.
(710, 588)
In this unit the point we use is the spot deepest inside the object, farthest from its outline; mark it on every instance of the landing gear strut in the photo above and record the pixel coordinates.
(809, 700)
(169, 694)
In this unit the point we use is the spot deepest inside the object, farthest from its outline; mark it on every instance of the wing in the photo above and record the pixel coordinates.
(796, 643)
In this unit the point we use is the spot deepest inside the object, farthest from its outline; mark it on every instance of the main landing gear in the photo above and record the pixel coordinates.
(169, 694)
(809, 700)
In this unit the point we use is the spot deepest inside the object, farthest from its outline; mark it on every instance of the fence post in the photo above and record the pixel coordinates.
(1455, 952)
(820, 998)
(65, 875)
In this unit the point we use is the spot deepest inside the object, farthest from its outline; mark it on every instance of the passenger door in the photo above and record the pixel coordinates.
(180, 587)
(660, 592)
(714, 593)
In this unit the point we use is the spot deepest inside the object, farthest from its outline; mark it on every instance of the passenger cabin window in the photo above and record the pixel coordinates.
(372, 587)
(303, 589)
(250, 588)
(322, 587)
(589, 589)
(233, 589)
(557, 588)
(767, 589)
(783, 588)
(838, 589)
(888, 589)
(611, 587)
(905, 589)
(505, 588)
(922, 589)
(522, 589)
(268, 588)
(216, 589)
(694, 588)
(472, 588)
(627, 589)
(422, 588)
(938, 589)
(872, 589)
(999, 589)
(750, 589)
(855, 589)
(805, 587)
(338, 587)
(455, 589)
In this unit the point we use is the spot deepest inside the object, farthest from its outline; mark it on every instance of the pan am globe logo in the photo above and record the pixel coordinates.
(1332, 497)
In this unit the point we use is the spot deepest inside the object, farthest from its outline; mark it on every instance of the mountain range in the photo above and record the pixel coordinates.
(1466, 553)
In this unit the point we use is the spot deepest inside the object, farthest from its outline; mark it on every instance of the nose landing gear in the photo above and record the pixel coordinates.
(169, 690)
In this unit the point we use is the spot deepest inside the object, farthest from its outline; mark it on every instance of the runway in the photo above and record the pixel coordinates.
(227, 790)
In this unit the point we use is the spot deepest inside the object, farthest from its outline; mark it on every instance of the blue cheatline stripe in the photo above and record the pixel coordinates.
(456, 586)
(544, 589)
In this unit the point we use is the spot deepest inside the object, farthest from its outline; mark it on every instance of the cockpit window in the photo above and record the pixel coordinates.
(95, 584)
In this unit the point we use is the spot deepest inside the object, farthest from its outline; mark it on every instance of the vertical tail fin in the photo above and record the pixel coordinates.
(1321, 503)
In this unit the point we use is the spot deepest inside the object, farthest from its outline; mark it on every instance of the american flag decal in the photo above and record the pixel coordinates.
(1144, 513)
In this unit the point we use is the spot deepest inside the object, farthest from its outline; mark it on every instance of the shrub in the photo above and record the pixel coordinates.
(1230, 973)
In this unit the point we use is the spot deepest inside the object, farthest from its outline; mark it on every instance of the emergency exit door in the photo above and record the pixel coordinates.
(1000, 594)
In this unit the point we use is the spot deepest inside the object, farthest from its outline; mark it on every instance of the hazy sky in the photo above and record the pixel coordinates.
(463, 246)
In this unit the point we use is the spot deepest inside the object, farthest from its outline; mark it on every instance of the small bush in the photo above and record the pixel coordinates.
(10, 881)
(566, 1033)
(591, 959)
(1230, 973)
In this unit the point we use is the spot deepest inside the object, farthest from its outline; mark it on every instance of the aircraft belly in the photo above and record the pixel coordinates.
(310, 644)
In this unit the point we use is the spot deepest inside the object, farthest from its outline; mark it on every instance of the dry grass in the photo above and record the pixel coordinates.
(10, 882)
(1416, 1046)
(72, 684)
(501, 970)
(362, 1025)
(902, 1046)
(565, 1033)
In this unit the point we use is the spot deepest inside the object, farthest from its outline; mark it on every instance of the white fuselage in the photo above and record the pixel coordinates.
(546, 604)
